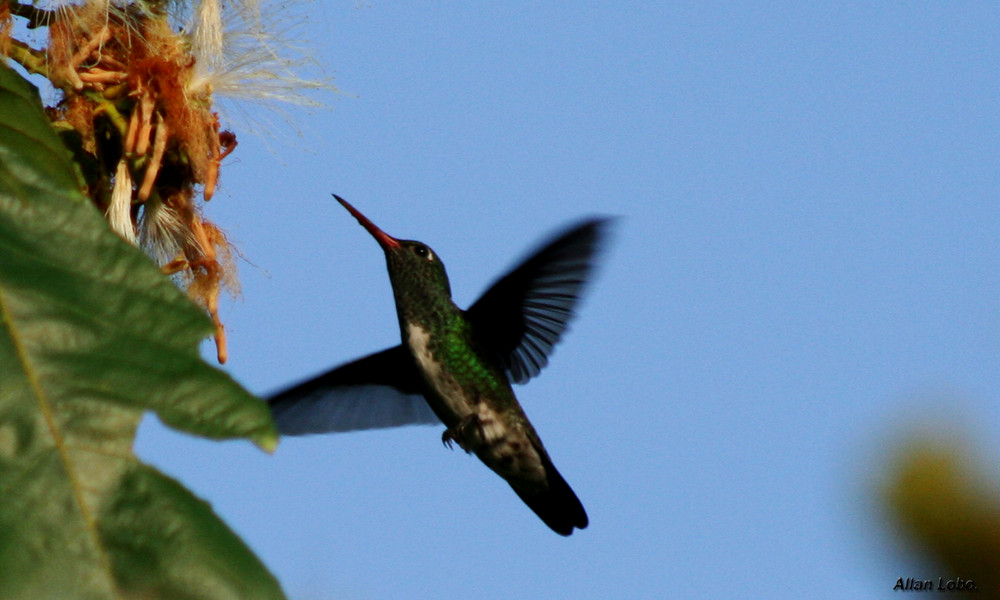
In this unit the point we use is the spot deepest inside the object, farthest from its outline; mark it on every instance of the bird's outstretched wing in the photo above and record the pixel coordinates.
(522, 316)
(377, 391)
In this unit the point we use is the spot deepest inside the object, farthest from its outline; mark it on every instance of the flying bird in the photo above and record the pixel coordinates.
(456, 367)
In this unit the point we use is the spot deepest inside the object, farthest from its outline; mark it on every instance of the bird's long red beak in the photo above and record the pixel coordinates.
(384, 239)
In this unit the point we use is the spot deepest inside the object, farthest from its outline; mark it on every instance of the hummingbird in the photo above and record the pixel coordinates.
(456, 367)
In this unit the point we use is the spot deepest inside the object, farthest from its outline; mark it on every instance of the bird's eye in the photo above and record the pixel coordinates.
(422, 251)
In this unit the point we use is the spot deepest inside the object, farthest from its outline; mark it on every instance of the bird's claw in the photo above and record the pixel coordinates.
(459, 434)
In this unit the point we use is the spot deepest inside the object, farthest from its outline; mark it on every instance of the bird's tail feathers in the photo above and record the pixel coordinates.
(556, 505)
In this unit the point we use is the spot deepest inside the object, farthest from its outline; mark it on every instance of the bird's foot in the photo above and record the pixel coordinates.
(448, 437)
(460, 433)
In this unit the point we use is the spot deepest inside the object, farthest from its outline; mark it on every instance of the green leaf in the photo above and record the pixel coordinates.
(92, 336)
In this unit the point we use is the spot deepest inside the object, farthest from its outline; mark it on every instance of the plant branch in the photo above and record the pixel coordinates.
(108, 108)
(32, 60)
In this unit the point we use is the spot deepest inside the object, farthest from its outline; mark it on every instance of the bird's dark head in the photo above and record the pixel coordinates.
(416, 273)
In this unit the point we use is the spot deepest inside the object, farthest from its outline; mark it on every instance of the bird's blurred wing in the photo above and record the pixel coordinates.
(377, 391)
(521, 317)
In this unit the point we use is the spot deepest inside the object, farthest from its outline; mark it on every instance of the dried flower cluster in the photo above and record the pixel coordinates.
(136, 109)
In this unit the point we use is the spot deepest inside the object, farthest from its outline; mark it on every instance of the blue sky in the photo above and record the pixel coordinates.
(805, 269)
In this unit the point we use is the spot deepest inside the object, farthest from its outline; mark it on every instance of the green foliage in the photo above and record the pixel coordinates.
(91, 336)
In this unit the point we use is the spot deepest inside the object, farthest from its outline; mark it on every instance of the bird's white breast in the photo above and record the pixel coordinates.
(418, 339)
